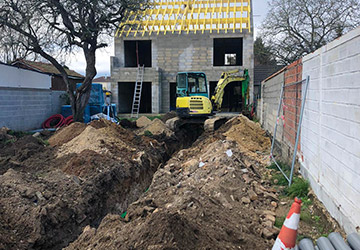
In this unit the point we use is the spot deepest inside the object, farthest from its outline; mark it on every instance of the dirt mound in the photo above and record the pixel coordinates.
(156, 127)
(249, 135)
(209, 196)
(108, 139)
(66, 134)
(102, 123)
(143, 121)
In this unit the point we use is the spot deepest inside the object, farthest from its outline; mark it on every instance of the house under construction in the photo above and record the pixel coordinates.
(173, 36)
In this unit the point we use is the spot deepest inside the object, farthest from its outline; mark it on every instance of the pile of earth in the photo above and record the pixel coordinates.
(251, 138)
(209, 196)
(87, 172)
(155, 127)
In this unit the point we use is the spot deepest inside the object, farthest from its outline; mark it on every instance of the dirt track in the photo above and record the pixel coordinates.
(209, 196)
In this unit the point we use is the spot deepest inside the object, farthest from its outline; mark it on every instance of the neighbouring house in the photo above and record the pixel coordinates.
(105, 81)
(261, 72)
(57, 82)
(26, 98)
(206, 36)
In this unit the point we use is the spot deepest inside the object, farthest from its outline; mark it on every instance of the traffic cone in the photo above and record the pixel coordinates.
(286, 239)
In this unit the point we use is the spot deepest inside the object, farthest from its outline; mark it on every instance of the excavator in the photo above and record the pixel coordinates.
(193, 104)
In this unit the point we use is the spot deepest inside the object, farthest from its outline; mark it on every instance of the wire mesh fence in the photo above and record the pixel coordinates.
(289, 118)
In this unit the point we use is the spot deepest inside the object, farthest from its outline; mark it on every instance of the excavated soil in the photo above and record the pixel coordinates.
(209, 196)
(67, 133)
(13, 151)
(155, 127)
(53, 192)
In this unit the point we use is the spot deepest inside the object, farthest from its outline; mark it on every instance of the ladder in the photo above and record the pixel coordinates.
(137, 92)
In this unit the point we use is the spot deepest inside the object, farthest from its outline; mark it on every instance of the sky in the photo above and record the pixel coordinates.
(77, 61)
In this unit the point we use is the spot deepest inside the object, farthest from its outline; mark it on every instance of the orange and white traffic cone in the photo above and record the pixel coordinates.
(286, 239)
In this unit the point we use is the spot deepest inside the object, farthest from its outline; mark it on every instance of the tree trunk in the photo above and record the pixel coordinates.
(82, 95)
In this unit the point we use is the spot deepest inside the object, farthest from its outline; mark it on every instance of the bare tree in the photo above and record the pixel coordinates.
(294, 28)
(10, 48)
(50, 27)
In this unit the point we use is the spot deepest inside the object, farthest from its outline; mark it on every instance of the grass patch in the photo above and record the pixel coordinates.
(277, 177)
(132, 119)
(279, 221)
(153, 117)
(305, 216)
(299, 188)
(45, 142)
(18, 134)
(9, 141)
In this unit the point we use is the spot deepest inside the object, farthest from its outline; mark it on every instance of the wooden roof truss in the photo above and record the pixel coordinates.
(179, 17)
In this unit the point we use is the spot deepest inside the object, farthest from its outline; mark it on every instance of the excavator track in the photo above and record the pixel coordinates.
(210, 124)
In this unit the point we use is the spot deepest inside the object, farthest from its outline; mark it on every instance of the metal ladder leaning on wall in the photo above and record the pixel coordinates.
(137, 92)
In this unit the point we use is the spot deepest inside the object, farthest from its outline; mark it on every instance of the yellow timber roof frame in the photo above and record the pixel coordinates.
(185, 16)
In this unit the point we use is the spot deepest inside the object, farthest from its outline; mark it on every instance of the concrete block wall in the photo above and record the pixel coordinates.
(270, 93)
(26, 109)
(330, 137)
(172, 53)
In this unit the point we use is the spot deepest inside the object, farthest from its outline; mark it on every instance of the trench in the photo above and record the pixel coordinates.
(128, 190)
(46, 201)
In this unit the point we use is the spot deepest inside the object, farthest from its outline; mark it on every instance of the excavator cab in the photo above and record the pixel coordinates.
(192, 95)
(191, 84)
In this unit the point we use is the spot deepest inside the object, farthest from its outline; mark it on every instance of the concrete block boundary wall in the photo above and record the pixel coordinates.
(329, 151)
(330, 139)
(25, 109)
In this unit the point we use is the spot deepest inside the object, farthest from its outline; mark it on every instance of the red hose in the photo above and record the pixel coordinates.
(53, 121)
(68, 120)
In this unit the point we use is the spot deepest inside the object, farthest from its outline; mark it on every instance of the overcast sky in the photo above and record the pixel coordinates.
(77, 60)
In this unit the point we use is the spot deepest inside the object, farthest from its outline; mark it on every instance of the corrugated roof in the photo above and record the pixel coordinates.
(45, 68)
(179, 16)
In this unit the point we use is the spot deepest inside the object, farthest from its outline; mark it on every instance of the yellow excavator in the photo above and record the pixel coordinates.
(193, 104)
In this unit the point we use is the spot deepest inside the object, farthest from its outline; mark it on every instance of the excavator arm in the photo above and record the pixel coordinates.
(225, 79)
